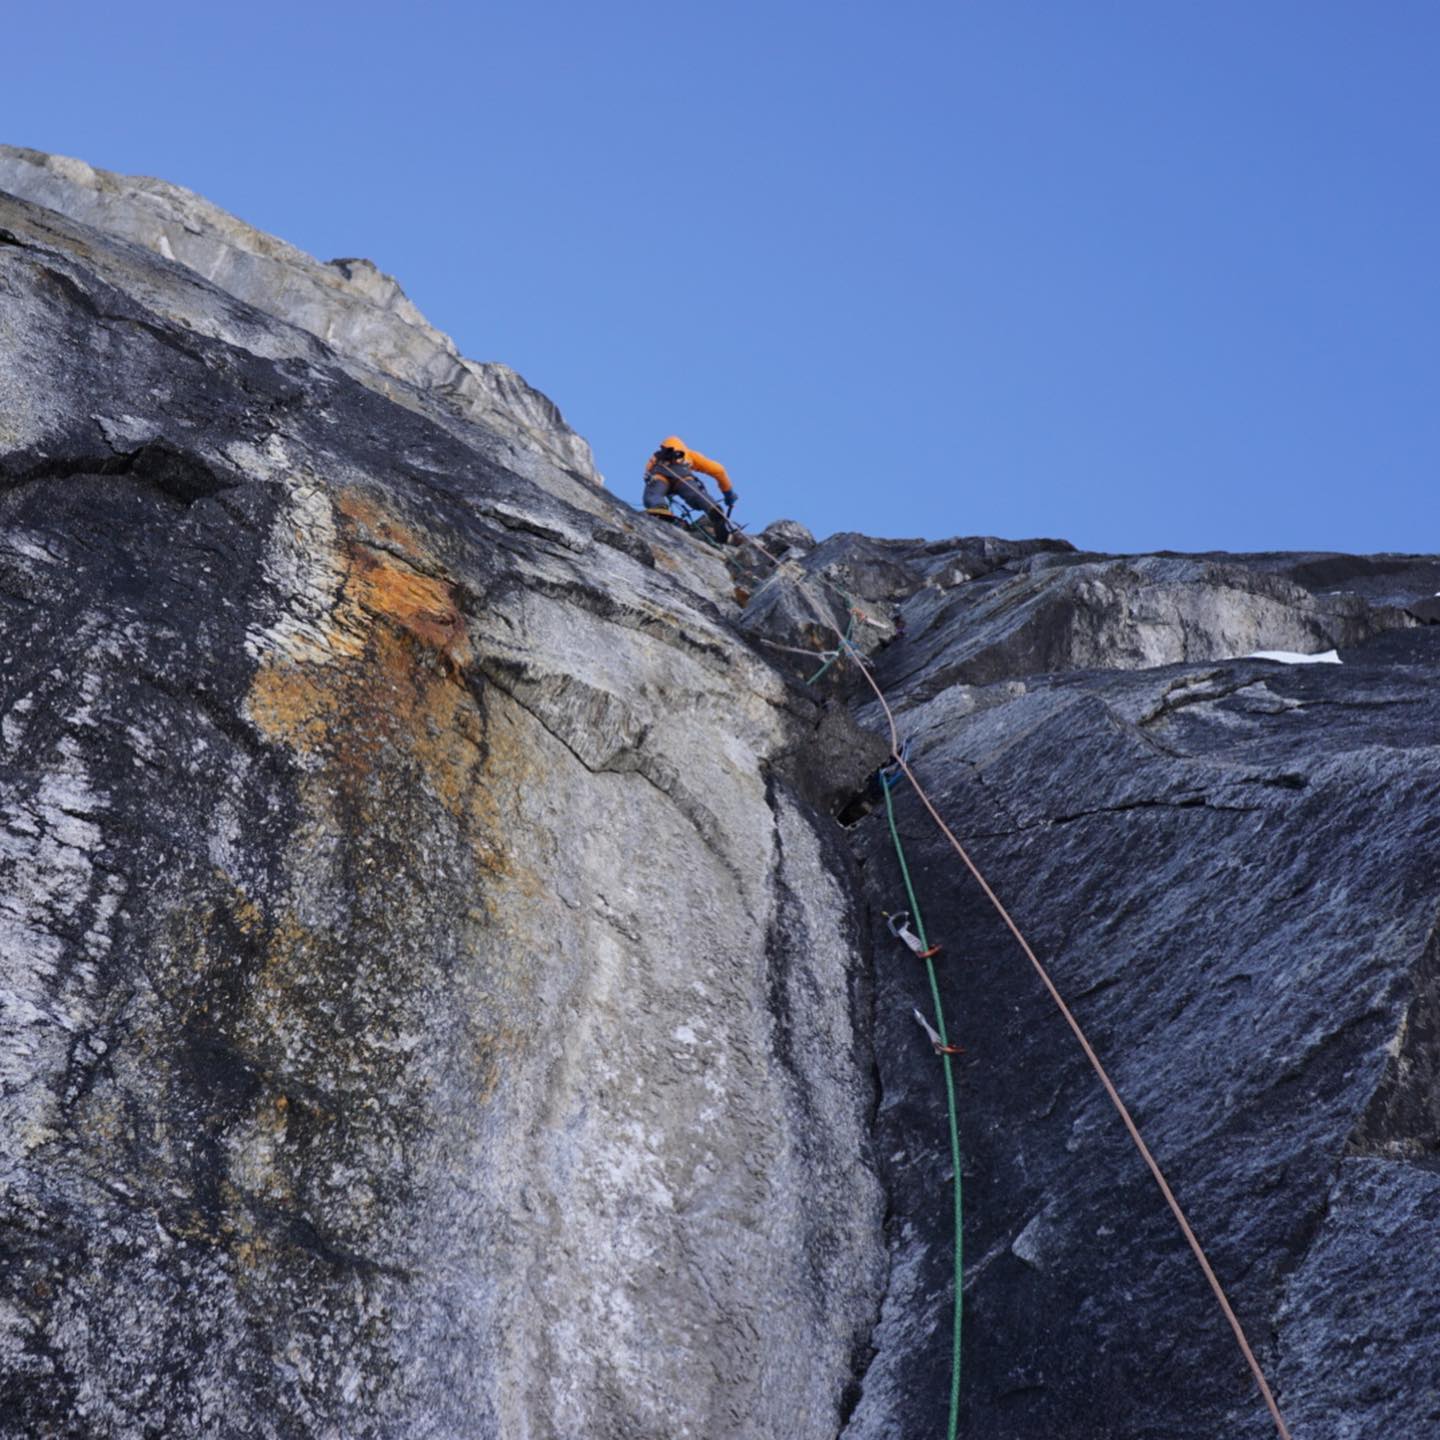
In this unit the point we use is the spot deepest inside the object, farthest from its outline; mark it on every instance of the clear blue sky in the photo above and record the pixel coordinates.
(1139, 273)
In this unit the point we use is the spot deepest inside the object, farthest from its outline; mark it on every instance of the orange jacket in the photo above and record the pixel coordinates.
(695, 460)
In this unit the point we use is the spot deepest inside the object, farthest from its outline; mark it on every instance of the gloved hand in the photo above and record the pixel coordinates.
(731, 496)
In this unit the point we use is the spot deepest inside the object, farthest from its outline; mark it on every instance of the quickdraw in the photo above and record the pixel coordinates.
(899, 927)
(937, 1044)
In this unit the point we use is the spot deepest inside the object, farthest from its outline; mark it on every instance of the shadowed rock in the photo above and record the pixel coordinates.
(1230, 871)
(1126, 614)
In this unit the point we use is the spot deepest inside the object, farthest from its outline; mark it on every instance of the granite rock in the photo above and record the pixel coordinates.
(432, 1003)
(358, 312)
(1229, 869)
(782, 536)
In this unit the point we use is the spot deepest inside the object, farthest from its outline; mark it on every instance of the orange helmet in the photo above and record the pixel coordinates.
(672, 442)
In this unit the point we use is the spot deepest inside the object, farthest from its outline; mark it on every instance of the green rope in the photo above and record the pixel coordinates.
(844, 641)
(954, 1123)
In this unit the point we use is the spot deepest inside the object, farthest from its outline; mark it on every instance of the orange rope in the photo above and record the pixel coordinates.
(1094, 1060)
(896, 751)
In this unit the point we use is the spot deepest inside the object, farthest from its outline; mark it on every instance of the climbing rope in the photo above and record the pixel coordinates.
(899, 762)
(802, 581)
(810, 653)
(835, 655)
(902, 764)
(945, 1051)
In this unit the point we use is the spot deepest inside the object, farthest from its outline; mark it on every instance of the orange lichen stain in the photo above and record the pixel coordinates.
(289, 702)
(371, 521)
(392, 577)
(382, 692)
(419, 604)
(394, 748)
(390, 662)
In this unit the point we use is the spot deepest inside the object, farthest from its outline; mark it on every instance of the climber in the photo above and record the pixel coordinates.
(671, 472)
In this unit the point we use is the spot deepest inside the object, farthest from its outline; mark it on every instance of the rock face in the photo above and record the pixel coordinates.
(1230, 869)
(431, 1006)
(439, 999)
(362, 315)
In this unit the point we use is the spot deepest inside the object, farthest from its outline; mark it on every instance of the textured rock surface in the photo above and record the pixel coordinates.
(783, 536)
(1231, 870)
(878, 574)
(429, 1008)
(437, 1002)
(362, 315)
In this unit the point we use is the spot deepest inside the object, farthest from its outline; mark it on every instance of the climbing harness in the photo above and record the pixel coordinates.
(695, 522)
(898, 766)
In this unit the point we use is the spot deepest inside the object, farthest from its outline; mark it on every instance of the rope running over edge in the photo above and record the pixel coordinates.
(1134, 1132)
(1094, 1059)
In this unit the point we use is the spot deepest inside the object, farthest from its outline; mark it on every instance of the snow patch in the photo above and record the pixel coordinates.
(1293, 657)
